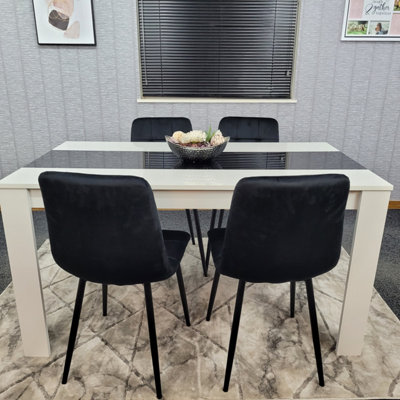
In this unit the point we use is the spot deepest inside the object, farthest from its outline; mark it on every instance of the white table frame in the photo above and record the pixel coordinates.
(192, 189)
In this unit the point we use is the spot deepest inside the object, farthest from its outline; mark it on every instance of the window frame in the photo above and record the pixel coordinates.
(220, 100)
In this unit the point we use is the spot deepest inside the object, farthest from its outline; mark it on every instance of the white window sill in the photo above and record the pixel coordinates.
(211, 100)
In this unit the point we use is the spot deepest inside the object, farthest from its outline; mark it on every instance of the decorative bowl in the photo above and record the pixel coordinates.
(196, 153)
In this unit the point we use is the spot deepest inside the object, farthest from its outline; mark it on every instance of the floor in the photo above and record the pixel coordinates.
(274, 355)
(387, 280)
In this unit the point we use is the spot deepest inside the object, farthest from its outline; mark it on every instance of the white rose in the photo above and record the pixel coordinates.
(177, 135)
(193, 137)
(217, 138)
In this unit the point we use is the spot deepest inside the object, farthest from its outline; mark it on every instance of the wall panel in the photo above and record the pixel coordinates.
(55, 111)
(374, 104)
(384, 156)
(90, 94)
(7, 130)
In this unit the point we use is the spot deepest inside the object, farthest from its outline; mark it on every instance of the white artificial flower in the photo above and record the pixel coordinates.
(193, 137)
(217, 138)
(177, 135)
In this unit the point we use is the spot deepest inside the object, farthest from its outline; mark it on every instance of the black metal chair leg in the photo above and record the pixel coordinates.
(200, 240)
(212, 295)
(74, 328)
(234, 333)
(314, 330)
(292, 297)
(153, 337)
(221, 217)
(183, 295)
(212, 225)
(189, 220)
(105, 290)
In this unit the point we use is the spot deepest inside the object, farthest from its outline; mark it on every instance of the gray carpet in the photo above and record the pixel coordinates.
(387, 281)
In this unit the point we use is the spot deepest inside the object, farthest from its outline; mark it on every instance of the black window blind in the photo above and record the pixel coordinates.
(217, 48)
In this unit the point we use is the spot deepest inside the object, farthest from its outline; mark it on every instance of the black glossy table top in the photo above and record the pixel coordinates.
(166, 160)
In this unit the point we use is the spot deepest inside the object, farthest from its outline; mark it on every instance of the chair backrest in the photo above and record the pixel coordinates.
(284, 229)
(250, 129)
(155, 129)
(104, 228)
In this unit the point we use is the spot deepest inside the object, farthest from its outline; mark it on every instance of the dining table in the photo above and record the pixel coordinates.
(178, 184)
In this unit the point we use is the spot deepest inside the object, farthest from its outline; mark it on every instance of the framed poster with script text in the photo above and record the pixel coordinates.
(371, 20)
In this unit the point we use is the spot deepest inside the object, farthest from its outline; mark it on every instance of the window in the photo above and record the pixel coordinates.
(217, 48)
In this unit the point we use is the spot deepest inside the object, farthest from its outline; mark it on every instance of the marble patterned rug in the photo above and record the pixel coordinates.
(274, 356)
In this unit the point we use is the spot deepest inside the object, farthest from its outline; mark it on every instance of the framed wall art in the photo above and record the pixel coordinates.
(371, 20)
(69, 22)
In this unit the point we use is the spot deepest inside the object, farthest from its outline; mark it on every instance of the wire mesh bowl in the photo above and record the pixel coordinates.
(196, 153)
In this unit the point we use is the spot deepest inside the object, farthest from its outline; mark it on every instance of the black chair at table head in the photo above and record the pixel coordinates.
(154, 129)
(244, 129)
(280, 229)
(106, 229)
(250, 129)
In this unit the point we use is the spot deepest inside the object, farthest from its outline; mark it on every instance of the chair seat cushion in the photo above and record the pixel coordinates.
(216, 238)
(175, 244)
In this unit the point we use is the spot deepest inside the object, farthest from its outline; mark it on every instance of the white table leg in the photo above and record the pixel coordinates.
(364, 256)
(16, 211)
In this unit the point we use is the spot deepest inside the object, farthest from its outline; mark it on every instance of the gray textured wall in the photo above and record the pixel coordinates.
(347, 92)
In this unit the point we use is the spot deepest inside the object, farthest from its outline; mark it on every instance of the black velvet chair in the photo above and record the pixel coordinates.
(244, 129)
(106, 229)
(280, 229)
(154, 129)
(250, 129)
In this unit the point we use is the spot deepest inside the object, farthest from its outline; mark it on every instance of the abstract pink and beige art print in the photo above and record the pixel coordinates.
(64, 22)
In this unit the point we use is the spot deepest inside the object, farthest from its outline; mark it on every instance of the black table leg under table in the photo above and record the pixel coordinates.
(200, 240)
